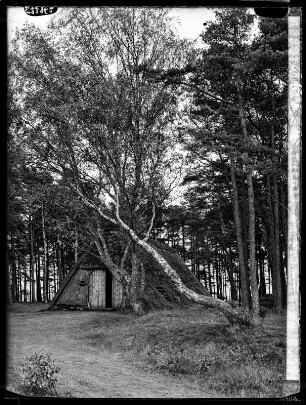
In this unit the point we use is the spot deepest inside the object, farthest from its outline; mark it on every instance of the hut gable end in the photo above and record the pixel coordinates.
(88, 284)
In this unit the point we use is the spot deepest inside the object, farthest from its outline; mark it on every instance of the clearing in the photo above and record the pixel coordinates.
(184, 353)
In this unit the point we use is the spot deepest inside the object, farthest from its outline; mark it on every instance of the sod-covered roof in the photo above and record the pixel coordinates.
(160, 291)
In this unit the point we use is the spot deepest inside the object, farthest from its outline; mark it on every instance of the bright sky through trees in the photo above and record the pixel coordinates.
(189, 19)
(189, 22)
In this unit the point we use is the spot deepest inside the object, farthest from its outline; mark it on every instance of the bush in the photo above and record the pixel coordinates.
(174, 360)
(39, 375)
(249, 380)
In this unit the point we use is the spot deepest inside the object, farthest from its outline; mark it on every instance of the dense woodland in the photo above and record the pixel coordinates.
(121, 132)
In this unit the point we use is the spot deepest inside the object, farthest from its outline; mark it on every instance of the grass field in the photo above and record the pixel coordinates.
(183, 353)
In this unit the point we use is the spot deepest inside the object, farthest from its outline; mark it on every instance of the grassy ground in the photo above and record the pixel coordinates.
(173, 353)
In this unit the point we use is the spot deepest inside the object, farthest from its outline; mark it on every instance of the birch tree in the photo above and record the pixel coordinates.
(90, 115)
(294, 111)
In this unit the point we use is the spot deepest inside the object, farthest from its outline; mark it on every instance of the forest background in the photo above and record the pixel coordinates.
(101, 149)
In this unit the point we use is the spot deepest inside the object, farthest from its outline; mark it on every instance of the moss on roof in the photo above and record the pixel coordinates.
(160, 291)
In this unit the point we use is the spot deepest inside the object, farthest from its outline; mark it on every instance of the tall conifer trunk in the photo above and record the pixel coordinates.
(234, 295)
(273, 251)
(38, 278)
(45, 264)
(252, 243)
(278, 270)
(243, 271)
(251, 204)
(15, 289)
(230, 272)
(278, 263)
(32, 260)
(58, 259)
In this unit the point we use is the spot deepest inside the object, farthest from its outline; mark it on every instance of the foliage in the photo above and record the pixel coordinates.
(87, 118)
(118, 121)
(40, 374)
(235, 62)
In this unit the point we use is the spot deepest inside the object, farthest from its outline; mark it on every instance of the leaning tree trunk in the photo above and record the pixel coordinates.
(234, 314)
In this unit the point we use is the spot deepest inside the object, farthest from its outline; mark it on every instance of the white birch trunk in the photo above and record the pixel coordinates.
(291, 385)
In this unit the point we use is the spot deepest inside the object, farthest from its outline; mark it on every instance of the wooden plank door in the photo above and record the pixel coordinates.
(96, 293)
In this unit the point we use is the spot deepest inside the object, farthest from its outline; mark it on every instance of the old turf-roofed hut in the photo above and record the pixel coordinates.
(90, 284)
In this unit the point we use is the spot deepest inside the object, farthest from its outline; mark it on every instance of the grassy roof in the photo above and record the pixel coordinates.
(160, 292)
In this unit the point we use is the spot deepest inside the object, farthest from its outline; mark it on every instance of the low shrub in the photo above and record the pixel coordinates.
(168, 358)
(39, 375)
(178, 360)
(250, 380)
